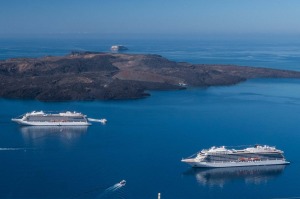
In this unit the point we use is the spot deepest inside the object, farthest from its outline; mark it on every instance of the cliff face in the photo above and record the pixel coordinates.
(90, 76)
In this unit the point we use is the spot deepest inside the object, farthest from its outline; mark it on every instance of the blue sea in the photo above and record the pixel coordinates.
(145, 140)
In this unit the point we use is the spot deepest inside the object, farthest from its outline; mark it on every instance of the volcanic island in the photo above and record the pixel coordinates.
(106, 76)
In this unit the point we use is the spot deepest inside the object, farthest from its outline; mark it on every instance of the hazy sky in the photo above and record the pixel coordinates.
(149, 17)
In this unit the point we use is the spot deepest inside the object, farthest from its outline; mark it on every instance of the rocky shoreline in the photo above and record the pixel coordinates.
(105, 76)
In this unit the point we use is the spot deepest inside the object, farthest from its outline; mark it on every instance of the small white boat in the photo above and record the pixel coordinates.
(102, 121)
(122, 183)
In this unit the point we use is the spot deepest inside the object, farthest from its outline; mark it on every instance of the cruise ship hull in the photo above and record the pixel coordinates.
(195, 163)
(47, 123)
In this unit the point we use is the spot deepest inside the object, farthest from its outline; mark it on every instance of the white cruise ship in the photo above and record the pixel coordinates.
(40, 118)
(223, 157)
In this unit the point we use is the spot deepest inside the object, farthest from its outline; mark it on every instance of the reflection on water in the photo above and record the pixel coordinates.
(64, 133)
(221, 176)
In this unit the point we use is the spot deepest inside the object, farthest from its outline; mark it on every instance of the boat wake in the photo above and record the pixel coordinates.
(110, 191)
(113, 188)
(117, 186)
(114, 192)
(13, 149)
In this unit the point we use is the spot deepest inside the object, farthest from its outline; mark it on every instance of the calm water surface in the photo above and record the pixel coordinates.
(144, 140)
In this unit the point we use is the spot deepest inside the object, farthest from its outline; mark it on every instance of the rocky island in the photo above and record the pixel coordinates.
(94, 75)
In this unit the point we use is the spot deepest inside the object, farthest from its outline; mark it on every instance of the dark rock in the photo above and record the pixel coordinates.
(94, 75)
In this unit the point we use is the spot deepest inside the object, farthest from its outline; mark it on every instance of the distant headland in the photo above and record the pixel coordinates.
(104, 76)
